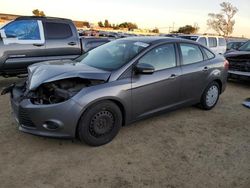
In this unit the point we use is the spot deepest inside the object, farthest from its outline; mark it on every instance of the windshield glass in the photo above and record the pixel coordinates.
(112, 55)
(194, 38)
(245, 47)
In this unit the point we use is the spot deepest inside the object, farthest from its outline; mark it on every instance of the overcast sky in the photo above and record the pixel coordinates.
(146, 13)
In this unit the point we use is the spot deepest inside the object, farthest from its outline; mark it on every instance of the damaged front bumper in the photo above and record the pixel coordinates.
(53, 120)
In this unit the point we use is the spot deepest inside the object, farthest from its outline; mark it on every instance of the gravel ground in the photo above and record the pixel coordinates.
(186, 148)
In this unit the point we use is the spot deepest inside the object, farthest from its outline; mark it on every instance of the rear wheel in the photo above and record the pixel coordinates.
(100, 123)
(210, 96)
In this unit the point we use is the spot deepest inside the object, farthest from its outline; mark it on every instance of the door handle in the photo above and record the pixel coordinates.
(72, 43)
(38, 45)
(205, 69)
(173, 76)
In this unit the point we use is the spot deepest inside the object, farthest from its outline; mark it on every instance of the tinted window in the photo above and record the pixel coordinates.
(222, 42)
(112, 55)
(212, 42)
(160, 58)
(203, 41)
(209, 54)
(191, 53)
(57, 31)
(245, 47)
(23, 30)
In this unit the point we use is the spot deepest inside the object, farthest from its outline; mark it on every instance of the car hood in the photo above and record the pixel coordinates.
(238, 55)
(62, 69)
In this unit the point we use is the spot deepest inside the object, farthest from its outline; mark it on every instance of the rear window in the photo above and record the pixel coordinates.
(212, 41)
(57, 30)
(222, 42)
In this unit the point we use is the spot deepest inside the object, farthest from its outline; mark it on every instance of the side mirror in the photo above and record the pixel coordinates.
(2, 33)
(143, 68)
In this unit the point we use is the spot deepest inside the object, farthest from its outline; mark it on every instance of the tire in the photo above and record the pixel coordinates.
(210, 96)
(100, 123)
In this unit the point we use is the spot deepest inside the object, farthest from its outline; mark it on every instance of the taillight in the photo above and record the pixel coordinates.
(226, 64)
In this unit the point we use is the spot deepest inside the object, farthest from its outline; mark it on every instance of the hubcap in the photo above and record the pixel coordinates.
(212, 95)
(102, 123)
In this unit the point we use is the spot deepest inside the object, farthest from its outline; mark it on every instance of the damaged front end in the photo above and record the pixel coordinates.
(59, 91)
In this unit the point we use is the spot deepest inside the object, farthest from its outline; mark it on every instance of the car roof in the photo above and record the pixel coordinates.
(41, 18)
(156, 39)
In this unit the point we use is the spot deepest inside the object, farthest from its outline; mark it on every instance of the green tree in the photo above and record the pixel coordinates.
(100, 24)
(37, 12)
(188, 29)
(128, 25)
(107, 24)
(223, 22)
(155, 30)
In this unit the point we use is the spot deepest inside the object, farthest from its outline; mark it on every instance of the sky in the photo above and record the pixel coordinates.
(145, 13)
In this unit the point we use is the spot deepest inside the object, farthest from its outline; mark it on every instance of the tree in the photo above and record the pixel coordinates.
(100, 24)
(106, 23)
(188, 29)
(155, 30)
(223, 22)
(128, 25)
(37, 12)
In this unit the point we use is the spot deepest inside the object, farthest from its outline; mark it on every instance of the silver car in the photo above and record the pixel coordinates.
(115, 84)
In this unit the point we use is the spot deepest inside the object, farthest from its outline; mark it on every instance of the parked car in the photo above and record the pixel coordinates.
(239, 62)
(28, 40)
(116, 84)
(234, 45)
(216, 43)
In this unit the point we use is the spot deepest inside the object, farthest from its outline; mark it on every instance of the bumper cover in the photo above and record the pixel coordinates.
(238, 73)
(32, 118)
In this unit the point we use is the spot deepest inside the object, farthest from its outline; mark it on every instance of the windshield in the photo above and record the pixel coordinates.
(245, 47)
(112, 55)
(194, 38)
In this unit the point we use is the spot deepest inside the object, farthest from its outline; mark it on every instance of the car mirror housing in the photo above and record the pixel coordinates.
(143, 68)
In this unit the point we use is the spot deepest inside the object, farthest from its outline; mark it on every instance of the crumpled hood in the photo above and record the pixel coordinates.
(50, 71)
(238, 54)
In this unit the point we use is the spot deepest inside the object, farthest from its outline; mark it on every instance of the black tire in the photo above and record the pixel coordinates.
(204, 102)
(100, 123)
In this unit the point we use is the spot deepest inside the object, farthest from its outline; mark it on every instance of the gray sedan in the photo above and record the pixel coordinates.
(115, 84)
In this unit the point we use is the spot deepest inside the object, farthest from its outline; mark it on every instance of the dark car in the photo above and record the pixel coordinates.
(239, 62)
(234, 45)
(29, 39)
(116, 84)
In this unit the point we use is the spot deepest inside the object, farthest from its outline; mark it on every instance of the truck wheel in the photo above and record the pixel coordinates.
(100, 123)
(210, 96)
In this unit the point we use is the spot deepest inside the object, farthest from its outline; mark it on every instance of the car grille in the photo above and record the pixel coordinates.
(24, 118)
(239, 65)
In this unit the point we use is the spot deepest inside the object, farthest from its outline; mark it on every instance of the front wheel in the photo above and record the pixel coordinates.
(210, 96)
(100, 123)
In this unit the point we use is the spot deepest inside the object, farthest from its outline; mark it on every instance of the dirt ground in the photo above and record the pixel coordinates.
(186, 148)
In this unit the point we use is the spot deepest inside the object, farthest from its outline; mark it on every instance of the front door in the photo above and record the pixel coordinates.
(22, 44)
(160, 90)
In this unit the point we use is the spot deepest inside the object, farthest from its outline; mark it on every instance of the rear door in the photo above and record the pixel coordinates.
(195, 70)
(160, 90)
(23, 43)
(62, 40)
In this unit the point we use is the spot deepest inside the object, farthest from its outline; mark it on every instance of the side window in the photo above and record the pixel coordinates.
(203, 41)
(212, 41)
(161, 57)
(23, 30)
(191, 53)
(222, 42)
(209, 54)
(57, 30)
